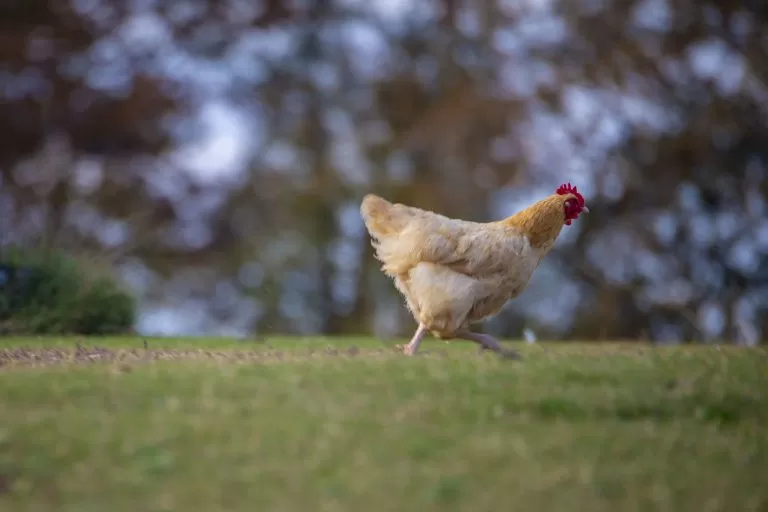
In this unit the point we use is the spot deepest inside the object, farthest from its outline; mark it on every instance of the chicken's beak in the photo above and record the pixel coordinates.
(585, 209)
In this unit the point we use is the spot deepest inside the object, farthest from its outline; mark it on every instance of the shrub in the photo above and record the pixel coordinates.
(47, 292)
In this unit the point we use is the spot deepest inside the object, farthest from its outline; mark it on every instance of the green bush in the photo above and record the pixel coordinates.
(45, 292)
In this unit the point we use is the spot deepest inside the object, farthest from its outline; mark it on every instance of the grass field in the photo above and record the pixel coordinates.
(352, 425)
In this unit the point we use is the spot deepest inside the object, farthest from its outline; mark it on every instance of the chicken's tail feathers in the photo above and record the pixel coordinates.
(381, 217)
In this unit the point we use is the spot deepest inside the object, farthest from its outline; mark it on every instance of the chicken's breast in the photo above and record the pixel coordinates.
(459, 276)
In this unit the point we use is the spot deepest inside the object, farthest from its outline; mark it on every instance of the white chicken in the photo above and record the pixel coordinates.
(453, 272)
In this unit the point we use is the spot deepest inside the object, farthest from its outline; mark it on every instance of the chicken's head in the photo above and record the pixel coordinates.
(573, 202)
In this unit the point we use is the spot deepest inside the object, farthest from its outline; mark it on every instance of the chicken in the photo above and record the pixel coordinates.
(453, 273)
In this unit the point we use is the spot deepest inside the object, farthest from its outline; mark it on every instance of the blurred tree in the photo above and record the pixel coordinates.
(656, 107)
(687, 195)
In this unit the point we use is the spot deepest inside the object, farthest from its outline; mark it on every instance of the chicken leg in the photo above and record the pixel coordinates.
(413, 346)
(488, 342)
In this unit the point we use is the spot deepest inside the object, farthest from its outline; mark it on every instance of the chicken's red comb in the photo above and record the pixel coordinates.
(567, 188)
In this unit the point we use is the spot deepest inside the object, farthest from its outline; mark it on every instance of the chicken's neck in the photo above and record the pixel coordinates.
(540, 223)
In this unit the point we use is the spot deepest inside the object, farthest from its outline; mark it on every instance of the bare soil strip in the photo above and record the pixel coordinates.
(40, 357)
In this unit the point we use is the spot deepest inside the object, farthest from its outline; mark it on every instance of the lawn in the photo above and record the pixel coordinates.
(352, 425)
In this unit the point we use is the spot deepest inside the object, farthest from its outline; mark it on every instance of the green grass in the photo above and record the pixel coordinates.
(315, 425)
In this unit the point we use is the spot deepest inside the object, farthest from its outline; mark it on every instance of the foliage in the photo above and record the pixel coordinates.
(303, 424)
(46, 292)
(657, 108)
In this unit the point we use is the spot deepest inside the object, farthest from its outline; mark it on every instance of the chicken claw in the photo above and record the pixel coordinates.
(488, 342)
(413, 346)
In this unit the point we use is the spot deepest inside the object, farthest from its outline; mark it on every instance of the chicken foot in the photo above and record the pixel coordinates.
(488, 342)
(413, 346)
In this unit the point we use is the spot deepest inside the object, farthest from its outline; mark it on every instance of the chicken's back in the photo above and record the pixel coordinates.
(384, 219)
(405, 235)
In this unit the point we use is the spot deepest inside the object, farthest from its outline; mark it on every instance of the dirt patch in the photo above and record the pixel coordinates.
(125, 358)
(6, 483)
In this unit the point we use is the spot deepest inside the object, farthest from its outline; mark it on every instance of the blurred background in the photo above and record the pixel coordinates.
(213, 153)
